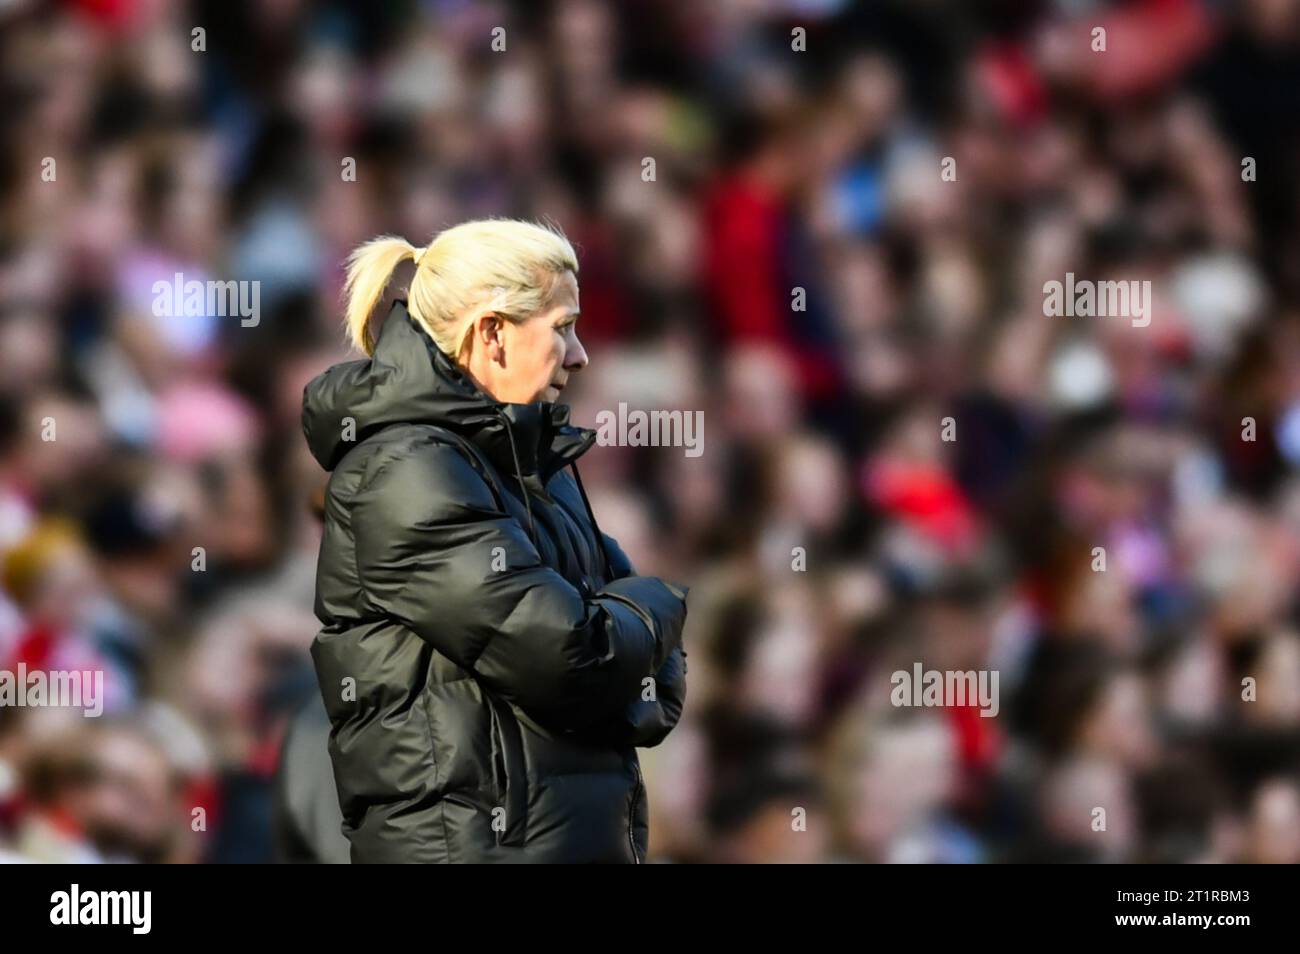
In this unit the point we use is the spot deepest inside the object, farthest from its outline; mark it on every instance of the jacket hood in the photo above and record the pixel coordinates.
(409, 380)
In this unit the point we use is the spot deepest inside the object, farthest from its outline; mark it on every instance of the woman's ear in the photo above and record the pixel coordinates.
(488, 331)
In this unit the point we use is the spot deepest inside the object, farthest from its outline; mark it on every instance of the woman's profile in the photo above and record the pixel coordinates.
(488, 659)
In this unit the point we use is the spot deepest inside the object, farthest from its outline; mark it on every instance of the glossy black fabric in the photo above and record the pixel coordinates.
(485, 651)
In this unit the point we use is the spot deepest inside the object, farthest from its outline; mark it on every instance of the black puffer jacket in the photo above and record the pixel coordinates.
(486, 651)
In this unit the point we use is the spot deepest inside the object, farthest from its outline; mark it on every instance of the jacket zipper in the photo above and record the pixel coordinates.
(631, 813)
(499, 769)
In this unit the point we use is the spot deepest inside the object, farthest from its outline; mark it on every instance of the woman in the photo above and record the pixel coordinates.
(489, 659)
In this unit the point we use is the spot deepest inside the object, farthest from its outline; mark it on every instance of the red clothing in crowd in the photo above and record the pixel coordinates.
(746, 280)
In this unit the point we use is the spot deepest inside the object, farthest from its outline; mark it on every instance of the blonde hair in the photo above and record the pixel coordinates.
(26, 565)
(505, 266)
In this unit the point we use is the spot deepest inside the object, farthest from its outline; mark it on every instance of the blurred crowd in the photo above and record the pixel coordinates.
(838, 255)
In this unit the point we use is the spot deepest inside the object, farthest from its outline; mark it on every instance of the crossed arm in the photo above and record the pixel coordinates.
(647, 722)
(465, 577)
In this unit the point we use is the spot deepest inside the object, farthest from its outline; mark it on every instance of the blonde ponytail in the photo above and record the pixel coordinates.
(369, 268)
(505, 266)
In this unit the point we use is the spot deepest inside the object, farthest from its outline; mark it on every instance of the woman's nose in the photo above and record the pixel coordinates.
(575, 358)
